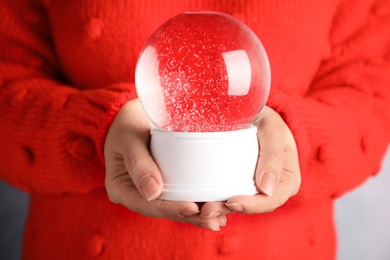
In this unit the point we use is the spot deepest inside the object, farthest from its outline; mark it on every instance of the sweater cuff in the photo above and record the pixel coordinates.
(123, 93)
(290, 107)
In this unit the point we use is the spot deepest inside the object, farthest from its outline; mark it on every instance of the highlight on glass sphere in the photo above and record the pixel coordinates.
(203, 72)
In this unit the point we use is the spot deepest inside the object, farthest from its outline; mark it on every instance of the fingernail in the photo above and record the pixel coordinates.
(268, 183)
(187, 213)
(149, 188)
(212, 227)
(223, 220)
(211, 215)
(235, 207)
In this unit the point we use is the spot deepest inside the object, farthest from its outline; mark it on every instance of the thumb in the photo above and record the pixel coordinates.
(269, 167)
(272, 153)
(127, 154)
(143, 170)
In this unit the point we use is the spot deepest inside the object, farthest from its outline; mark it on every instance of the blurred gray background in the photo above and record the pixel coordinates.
(13, 211)
(362, 218)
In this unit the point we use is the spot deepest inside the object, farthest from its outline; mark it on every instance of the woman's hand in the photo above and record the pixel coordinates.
(277, 174)
(134, 180)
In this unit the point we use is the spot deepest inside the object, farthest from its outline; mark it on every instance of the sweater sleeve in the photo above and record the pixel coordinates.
(342, 124)
(51, 133)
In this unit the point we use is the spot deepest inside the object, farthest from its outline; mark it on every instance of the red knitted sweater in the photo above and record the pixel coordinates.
(66, 67)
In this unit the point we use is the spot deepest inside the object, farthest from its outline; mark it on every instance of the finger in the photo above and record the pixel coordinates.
(270, 164)
(126, 150)
(125, 193)
(213, 224)
(222, 220)
(187, 212)
(142, 169)
(210, 223)
(262, 203)
(214, 209)
(259, 203)
(175, 210)
(274, 137)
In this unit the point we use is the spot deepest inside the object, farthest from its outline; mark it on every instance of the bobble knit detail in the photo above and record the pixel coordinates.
(81, 148)
(321, 154)
(381, 9)
(28, 155)
(97, 244)
(94, 28)
(226, 245)
(364, 146)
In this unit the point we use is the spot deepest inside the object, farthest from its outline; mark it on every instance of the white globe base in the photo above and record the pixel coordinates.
(201, 167)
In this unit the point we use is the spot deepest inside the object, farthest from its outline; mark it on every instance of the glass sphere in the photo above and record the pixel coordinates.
(203, 72)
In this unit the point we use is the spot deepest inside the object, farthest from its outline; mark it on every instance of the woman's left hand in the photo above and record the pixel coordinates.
(277, 175)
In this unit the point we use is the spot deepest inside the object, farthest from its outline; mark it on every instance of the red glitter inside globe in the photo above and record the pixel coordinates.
(203, 72)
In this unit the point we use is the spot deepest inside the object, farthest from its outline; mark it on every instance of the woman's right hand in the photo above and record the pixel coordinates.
(134, 180)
